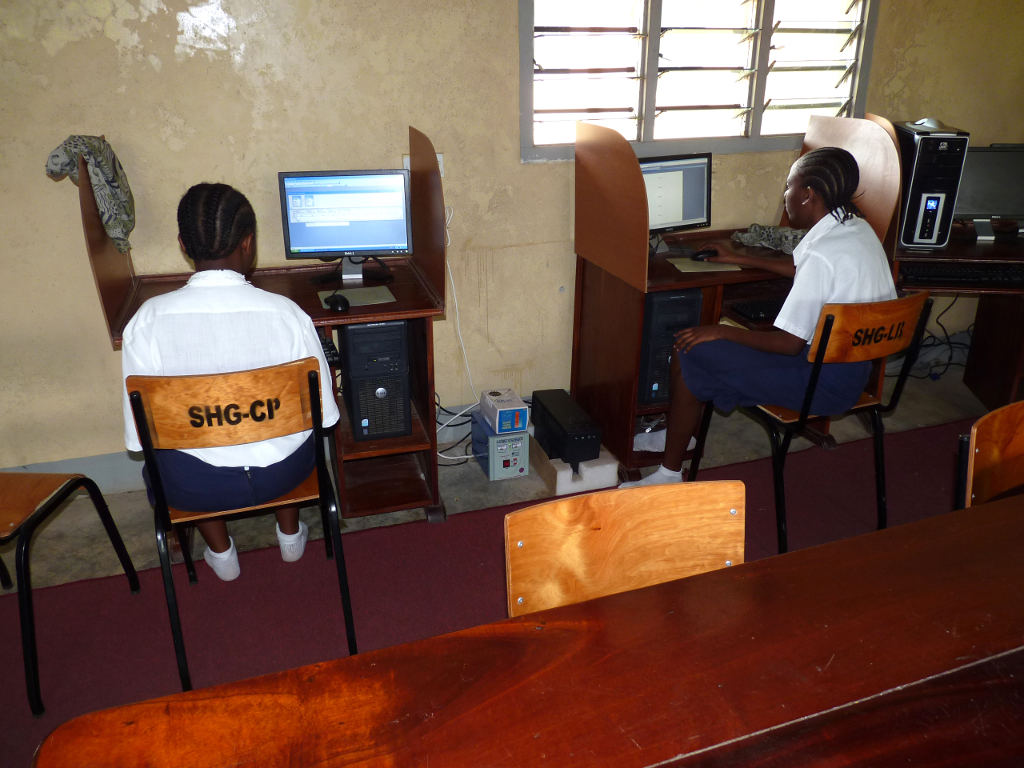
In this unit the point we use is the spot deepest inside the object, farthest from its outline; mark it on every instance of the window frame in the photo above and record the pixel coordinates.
(720, 145)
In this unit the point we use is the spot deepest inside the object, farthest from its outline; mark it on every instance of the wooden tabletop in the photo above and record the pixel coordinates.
(905, 644)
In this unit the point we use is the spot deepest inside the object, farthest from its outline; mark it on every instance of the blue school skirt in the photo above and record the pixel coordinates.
(730, 375)
(193, 485)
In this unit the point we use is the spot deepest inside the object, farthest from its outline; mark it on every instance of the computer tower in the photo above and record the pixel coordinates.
(375, 379)
(665, 313)
(932, 156)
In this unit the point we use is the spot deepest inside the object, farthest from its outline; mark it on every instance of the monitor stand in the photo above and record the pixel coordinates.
(349, 271)
(983, 229)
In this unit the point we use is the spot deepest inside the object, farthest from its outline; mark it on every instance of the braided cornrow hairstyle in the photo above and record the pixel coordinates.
(832, 173)
(212, 220)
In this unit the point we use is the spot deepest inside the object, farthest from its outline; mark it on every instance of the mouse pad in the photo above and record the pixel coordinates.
(689, 265)
(361, 296)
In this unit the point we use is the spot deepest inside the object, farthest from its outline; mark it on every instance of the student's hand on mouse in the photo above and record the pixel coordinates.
(688, 338)
(722, 254)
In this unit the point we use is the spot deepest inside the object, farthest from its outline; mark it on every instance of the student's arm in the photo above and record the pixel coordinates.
(776, 341)
(780, 265)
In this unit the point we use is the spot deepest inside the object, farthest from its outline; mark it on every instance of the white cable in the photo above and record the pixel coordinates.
(449, 213)
(455, 302)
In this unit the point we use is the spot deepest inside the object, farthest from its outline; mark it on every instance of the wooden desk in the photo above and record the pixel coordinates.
(380, 475)
(904, 645)
(995, 363)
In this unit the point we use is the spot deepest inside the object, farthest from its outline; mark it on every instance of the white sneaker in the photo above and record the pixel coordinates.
(293, 544)
(660, 476)
(224, 564)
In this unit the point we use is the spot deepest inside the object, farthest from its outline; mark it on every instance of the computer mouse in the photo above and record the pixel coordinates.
(703, 253)
(337, 302)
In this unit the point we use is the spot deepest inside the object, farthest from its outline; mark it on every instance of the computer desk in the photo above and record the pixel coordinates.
(377, 475)
(995, 363)
(902, 646)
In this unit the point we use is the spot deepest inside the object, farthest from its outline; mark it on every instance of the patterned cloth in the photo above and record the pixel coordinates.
(783, 239)
(109, 184)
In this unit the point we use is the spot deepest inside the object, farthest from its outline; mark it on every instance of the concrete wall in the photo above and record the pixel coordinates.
(235, 90)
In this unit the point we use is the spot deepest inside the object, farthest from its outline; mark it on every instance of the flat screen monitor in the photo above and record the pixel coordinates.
(678, 192)
(992, 184)
(333, 214)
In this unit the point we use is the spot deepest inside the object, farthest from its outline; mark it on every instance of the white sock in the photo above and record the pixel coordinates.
(661, 476)
(655, 441)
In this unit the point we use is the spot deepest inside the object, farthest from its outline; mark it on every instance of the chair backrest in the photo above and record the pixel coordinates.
(867, 330)
(995, 463)
(214, 410)
(581, 547)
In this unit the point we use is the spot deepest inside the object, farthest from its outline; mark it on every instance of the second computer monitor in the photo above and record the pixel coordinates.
(678, 192)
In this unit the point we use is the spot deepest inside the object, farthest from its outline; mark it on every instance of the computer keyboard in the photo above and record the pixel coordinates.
(757, 310)
(963, 273)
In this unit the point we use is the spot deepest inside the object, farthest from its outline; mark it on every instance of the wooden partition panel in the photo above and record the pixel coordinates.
(868, 141)
(428, 219)
(111, 269)
(611, 205)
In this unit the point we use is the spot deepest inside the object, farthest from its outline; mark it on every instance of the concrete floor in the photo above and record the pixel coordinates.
(73, 545)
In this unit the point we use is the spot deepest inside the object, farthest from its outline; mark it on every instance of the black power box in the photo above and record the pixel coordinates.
(563, 429)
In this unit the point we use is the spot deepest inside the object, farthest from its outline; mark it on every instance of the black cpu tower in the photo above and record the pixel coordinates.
(932, 156)
(664, 313)
(375, 379)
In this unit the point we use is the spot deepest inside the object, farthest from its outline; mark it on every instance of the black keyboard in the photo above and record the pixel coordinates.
(963, 273)
(757, 310)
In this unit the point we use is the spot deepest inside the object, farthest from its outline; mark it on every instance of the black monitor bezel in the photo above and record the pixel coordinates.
(967, 214)
(707, 157)
(358, 253)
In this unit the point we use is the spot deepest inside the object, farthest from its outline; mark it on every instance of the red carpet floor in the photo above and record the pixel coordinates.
(100, 646)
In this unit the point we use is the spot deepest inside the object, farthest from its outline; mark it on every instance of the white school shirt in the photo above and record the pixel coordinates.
(836, 262)
(218, 323)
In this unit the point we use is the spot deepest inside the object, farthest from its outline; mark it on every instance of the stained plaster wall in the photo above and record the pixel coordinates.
(235, 90)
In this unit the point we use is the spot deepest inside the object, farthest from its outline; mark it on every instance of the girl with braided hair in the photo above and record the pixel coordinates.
(217, 323)
(838, 260)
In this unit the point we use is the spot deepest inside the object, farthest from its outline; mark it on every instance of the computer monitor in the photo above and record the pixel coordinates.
(350, 215)
(991, 187)
(678, 192)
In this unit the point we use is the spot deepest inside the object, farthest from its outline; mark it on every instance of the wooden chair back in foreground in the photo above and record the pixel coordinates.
(995, 455)
(582, 547)
(27, 500)
(177, 412)
(846, 333)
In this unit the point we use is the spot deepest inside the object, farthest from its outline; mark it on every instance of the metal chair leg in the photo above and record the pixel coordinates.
(172, 609)
(28, 624)
(881, 502)
(5, 576)
(779, 452)
(339, 560)
(702, 436)
(112, 533)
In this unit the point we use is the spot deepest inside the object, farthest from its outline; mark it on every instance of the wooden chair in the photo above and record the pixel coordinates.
(581, 547)
(846, 333)
(162, 407)
(27, 499)
(994, 459)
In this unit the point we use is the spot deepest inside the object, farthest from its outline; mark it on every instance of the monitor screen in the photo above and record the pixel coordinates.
(331, 214)
(678, 192)
(992, 184)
